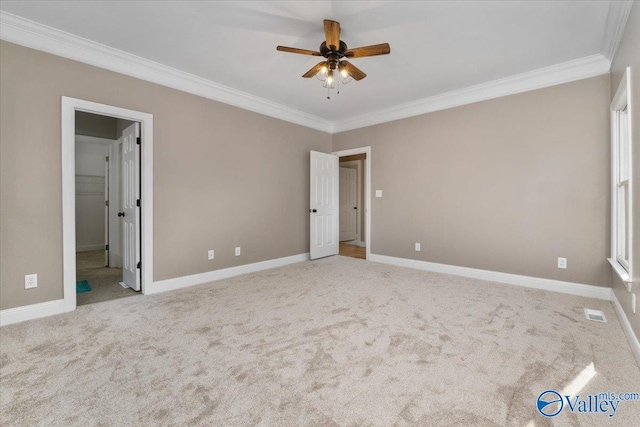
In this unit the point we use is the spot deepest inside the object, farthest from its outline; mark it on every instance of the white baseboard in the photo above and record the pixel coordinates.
(495, 276)
(87, 248)
(29, 312)
(210, 276)
(626, 327)
(49, 308)
(525, 281)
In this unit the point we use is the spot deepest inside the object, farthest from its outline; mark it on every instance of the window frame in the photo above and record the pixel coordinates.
(621, 178)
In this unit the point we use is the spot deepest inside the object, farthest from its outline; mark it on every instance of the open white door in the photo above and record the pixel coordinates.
(115, 184)
(130, 207)
(324, 205)
(106, 209)
(348, 204)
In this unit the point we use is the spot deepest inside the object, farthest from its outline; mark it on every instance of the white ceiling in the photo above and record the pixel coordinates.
(436, 46)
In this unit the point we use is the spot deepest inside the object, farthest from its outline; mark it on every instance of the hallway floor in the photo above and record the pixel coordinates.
(104, 281)
(353, 251)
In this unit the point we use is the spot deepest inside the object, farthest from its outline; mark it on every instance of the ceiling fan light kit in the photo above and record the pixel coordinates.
(336, 70)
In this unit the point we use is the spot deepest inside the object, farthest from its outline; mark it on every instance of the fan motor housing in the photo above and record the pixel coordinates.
(326, 51)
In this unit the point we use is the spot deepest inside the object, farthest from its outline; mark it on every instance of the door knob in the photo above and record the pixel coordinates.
(120, 213)
(355, 207)
(313, 210)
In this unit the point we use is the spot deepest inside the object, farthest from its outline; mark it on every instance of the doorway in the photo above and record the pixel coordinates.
(351, 205)
(101, 168)
(355, 202)
(107, 202)
(324, 202)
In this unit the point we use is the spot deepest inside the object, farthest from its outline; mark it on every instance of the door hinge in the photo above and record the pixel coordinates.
(138, 140)
(106, 247)
(106, 158)
(139, 264)
(106, 203)
(138, 203)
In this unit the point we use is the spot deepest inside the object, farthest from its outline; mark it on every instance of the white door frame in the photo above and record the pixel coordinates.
(367, 190)
(69, 108)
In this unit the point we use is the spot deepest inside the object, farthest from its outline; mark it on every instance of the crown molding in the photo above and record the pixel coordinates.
(582, 68)
(16, 29)
(34, 35)
(614, 30)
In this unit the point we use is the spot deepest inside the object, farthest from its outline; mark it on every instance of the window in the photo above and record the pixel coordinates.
(621, 181)
(622, 188)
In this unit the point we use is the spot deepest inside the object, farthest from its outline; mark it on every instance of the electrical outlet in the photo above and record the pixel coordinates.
(378, 193)
(238, 251)
(211, 255)
(417, 247)
(562, 263)
(30, 281)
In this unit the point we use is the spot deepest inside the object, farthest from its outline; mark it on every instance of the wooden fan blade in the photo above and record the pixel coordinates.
(352, 70)
(296, 50)
(332, 34)
(374, 50)
(315, 70)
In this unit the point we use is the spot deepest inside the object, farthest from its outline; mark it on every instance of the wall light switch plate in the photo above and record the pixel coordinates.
(562, 263)
(378, 193)
(211, 255)
(30, 281)
(238, 251)
(417, 247)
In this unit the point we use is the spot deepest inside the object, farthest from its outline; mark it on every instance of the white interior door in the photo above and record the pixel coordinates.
(324, 205)
(348, 204)
(106, 208)
(130, 208)
(115, 200)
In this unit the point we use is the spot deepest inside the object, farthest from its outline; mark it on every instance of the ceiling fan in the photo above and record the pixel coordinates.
(334, 51)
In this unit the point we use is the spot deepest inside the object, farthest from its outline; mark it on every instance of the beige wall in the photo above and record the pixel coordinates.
(629, 56)
(507, 185)
(121, 125)
(223, 176)
(96, 125)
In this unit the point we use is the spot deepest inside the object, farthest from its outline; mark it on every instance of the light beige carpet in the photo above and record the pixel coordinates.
(339, 341)
(104, 281)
